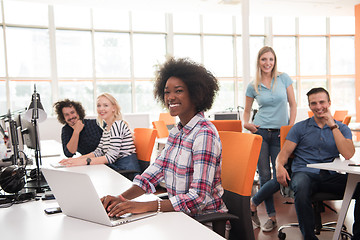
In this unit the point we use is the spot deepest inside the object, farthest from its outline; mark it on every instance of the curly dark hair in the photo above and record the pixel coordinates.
(68, 103)
(201, 83)
(318, 90)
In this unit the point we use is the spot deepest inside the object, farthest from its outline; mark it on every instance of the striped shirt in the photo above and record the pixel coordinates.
(116, 143)
(190, 164)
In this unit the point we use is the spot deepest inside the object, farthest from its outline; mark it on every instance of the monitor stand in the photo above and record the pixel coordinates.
(37, 182)
(39, 186)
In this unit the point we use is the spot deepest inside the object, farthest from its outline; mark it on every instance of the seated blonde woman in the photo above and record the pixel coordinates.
(116, 147)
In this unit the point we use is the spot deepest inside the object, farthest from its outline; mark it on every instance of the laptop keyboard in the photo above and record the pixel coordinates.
(114, 218)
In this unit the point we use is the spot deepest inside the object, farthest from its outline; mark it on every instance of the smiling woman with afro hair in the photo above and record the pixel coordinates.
(190, 163)
(202, 84)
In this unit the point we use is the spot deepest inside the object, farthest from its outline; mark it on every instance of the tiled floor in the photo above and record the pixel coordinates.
(286, 214)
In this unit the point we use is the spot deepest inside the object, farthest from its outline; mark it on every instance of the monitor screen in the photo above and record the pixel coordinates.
(15, 139)
(28, 132)
(2, 128)
(226, 116)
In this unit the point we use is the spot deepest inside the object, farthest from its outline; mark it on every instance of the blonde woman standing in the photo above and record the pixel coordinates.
(116, 147)
(273, 91)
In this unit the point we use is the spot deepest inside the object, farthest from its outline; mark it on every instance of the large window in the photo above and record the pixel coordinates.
(74, 54)
(20, 13)
(342, 55)
(28, 52)
(23, 89)
(121, 90)
(81, 91)
(149, 50)
(218, 55)
(285, 49)
(2, 54)
(3, 105)
(187, 46)
(318, 52)
(312, 56)
(78, 53)
(112, 54)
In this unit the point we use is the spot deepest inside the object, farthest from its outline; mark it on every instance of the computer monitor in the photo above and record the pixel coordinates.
(28, 133)
(2, 128)
(13, 135)
(226, 116)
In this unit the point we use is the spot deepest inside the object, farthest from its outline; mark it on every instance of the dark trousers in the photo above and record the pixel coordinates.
(305, 184)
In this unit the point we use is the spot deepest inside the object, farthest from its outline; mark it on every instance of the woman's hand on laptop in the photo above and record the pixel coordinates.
(109, 202)
(118, 206)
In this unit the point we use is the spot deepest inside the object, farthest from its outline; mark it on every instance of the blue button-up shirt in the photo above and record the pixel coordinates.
(314, 144)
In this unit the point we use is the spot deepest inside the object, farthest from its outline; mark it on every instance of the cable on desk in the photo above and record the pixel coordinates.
(8, 200)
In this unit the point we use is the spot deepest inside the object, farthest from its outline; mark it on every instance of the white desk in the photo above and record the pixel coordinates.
(353, 179)
(28, 220)
(355, 127)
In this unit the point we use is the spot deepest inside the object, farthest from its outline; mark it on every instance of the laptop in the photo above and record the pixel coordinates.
(77, 197)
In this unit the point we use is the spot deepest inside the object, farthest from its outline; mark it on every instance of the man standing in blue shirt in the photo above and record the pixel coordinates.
(319, 139)
(78, 134)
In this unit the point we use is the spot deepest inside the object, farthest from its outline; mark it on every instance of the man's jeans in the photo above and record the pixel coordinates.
(305, 184)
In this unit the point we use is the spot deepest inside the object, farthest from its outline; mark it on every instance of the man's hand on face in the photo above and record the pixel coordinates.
(328, 117)
(78, 126)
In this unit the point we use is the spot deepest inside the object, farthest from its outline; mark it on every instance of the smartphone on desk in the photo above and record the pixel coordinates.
(48, 196)
(354, 164)
(52, 210)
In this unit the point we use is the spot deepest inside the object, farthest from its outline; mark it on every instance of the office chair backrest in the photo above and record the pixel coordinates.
(310, 114)
(162, 130)
(240, 153)
(228, 125)
(347, 120)
(144, 143)
(283, 132)
(340, 115)
(167, 118)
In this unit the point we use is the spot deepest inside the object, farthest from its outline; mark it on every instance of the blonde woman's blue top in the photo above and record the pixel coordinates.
(273, 103)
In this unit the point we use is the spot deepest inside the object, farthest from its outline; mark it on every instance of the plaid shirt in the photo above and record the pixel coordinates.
(191, 167)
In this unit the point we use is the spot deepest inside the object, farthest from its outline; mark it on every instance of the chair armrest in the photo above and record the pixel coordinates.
(127, 171)
(129, 174)
(213, 217)
(163, 195)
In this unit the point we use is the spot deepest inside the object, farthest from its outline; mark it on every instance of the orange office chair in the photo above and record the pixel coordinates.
(317, 200)
(228, 125)
(144, 140)
(144, 143)
(340, 115)
(240, 153)
(283, 133)
(310, 114)
(169, 120)
(347, 120)
(162, 130)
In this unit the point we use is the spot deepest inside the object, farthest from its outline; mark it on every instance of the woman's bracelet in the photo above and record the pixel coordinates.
(159, 206)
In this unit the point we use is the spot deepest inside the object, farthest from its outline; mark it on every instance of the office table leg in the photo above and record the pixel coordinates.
(352, 181)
